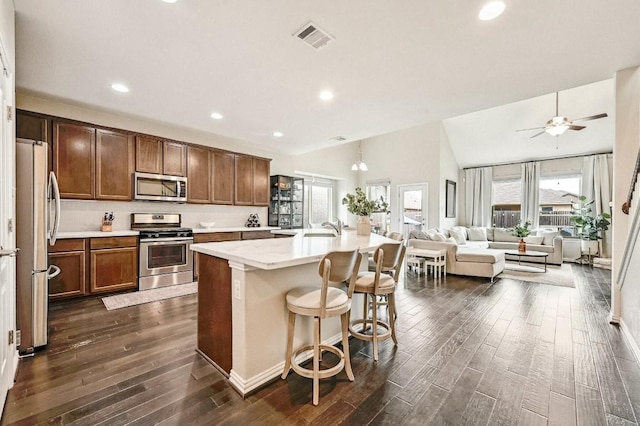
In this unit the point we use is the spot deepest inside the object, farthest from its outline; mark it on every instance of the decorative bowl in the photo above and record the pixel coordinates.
(207, 224)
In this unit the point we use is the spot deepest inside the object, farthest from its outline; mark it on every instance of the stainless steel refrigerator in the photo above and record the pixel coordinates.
(37, 222)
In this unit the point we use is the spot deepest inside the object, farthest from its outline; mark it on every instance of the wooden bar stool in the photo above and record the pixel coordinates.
(388, 258)
(323, 302)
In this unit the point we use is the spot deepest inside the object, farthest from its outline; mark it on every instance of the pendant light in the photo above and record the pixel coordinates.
(359, 165)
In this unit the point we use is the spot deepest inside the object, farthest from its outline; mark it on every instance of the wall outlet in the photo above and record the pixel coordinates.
(236, 289)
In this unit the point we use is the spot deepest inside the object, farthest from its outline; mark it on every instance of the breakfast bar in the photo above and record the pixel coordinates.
(242, 315)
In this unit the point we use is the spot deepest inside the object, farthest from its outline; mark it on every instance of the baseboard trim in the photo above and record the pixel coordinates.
(632, 343)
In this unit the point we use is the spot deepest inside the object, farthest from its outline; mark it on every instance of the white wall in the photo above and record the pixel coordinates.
(625, 302)
(450, 170)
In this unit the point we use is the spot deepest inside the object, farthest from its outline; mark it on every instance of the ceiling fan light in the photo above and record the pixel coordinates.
(556, 130)
(363, 167)
(354, 167)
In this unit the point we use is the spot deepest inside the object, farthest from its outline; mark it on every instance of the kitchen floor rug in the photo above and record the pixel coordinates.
(146, 296)
(556, 275)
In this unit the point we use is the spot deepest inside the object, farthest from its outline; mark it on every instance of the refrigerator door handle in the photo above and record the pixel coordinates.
(53, 186)
(52, 272)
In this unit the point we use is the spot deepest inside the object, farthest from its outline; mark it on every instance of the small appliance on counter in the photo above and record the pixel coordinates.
(165, 257)
(37, 223)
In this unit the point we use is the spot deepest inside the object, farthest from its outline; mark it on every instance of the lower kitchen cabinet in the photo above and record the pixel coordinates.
(69, 256)
(114, 264)
(212, 237)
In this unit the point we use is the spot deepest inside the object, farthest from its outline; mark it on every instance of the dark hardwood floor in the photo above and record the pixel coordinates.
(469, 353)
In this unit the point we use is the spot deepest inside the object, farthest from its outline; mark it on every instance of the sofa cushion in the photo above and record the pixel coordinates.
(504, 235)
(533, 240)
(458, 235)
(479, 255)
(478, 244)
(548, 236)
(489, 234)
(477, 233)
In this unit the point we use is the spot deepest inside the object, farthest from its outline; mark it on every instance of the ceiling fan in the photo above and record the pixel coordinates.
(558, 124)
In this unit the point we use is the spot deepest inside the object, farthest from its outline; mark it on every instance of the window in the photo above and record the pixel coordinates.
(506, 198)
(380, 222)
(557, 195)
(318, 197)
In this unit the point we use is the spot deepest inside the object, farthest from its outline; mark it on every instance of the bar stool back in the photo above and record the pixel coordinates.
(323, 302)
(388, 258)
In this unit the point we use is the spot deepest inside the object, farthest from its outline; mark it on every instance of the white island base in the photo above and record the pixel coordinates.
(242, 314)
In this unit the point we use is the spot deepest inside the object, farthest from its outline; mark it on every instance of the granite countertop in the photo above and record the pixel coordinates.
(275, 253)
(234, 229)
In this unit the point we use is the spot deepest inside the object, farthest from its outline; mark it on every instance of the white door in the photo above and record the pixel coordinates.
(413, 202)
(8, 354)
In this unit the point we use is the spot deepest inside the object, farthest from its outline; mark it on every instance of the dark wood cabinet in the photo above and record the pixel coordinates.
(69, 256)
(223, 173)
(252, 181)
(148, 155)
(174, 159)
(74, 159)
(32, 126)
(114, 264)
(114, 165)
(198, 175)
(160, 157)
(212, 237)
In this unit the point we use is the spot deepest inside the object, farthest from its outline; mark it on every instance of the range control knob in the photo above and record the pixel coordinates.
(155, 235)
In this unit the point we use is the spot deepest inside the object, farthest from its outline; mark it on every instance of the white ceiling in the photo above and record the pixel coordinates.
(392, 65)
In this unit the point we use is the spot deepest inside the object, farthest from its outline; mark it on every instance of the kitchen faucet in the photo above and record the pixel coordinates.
(335, 226)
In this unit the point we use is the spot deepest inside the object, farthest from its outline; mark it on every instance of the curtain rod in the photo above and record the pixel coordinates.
(542, 159)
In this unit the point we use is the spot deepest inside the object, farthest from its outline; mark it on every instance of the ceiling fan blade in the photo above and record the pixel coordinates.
(533, 128)
(574, 127)
(592, 117)
(537, 134)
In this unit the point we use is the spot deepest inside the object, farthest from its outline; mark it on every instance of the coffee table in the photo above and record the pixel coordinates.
(529, 254)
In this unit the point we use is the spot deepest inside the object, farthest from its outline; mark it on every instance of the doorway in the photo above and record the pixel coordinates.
(413, 202)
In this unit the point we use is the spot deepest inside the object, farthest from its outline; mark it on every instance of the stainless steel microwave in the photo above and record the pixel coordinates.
(160, 187)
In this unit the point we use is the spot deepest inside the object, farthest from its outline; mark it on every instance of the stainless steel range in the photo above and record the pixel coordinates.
(165, 256)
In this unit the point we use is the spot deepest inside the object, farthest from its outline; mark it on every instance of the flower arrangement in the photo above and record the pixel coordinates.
(521, 229)
(359, 205)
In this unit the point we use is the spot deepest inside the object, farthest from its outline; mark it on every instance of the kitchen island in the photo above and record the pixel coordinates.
(242, 314)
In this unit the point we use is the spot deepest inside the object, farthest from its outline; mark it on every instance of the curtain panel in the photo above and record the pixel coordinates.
(478, 187)
(596, 185)
(530, 197)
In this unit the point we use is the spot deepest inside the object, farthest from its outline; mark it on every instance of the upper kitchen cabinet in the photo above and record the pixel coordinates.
(198, 175)
(252, 181)
(114, 165)
(223, 177)
(160, 157)
(32, 126)
(74, 159)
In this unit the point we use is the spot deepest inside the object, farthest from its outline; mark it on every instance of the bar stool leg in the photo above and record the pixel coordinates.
(316, 360)
(344, 319)
(374, 325)
(365, 312)
(392, 321)
(287, 359)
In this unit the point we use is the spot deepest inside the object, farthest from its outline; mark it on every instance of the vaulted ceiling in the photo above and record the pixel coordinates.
(392, 65)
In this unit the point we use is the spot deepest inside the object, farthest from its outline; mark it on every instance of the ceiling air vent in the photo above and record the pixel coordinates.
(313, 36)
(338, 139)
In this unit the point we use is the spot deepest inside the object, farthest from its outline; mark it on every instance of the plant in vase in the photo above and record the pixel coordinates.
(589, 228)
(521, 230)
(359, 205)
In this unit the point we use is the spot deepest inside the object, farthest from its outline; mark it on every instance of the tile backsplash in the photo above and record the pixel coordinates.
(86, 215)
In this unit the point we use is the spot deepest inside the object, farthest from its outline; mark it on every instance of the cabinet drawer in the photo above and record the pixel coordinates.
(113, 242)
(256, 235)
(215, 237)
(74, 244)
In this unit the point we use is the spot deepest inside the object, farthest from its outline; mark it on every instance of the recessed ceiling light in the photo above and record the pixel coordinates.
(491, 10)
(278, 134)
(119, 87)
(169, 1)
(217, 116)
(326, 95)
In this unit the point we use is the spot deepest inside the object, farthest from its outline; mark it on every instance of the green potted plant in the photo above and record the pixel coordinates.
(359, 205)
(589, 227)
(521, 230)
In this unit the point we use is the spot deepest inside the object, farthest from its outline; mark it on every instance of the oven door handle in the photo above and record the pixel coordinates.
(162, 240)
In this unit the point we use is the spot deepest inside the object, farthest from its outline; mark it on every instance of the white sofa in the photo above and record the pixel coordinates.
(543, 240)
(471, 261)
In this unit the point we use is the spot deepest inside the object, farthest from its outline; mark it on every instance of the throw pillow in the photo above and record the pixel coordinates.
(489, 234)
(419, 235)
(501, 234)
(438, 237)
(462, 229)
(533, 240)
(458, 235)
(476, 233)
(451, 240)
(548, 236)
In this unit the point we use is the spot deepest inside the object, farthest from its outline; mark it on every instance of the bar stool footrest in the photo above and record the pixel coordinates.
(322, 374)
(365, 324)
